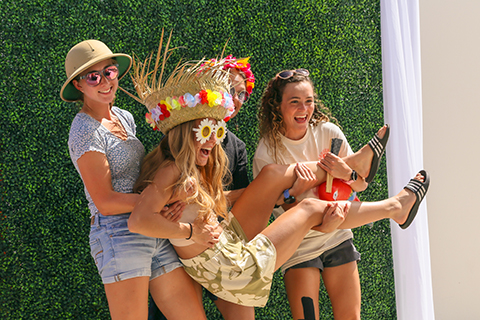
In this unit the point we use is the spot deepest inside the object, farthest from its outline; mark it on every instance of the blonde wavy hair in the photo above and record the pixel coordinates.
(270, 116)
(178, 147)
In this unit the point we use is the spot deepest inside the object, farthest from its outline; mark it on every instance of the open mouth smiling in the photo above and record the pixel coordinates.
(106, 91)
(206, 152)
(301, 119)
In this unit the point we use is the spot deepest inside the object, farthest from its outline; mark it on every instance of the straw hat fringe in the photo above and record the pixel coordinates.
(191, 77)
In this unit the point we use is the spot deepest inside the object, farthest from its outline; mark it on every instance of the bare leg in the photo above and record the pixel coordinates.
(396, 208)
(232, 311)
(128, 299)
(361, 160)
(177, 296)
(261, 195)
(343, 287)
(254, 207)
(392, 208)
(272, 181)
(342, 284)
(287, 231)
(302, 282)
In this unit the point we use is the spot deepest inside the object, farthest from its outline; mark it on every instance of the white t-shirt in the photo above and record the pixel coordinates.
(315, 143)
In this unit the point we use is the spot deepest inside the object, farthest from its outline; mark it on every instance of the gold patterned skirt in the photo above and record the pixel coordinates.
(236, 270)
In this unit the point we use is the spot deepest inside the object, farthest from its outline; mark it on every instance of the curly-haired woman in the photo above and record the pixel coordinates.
(295, 127)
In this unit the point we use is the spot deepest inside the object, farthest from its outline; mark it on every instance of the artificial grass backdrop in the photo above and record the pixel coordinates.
(46, 271)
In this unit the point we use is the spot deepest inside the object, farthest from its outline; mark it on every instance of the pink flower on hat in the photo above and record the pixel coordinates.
(150, 121)
(244, 67)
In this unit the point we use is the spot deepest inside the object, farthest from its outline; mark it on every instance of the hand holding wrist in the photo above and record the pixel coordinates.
(204, 234)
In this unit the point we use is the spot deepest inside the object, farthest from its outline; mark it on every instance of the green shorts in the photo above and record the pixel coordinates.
(235, 270)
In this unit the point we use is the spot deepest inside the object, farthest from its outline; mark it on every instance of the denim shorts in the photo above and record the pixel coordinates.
(120, 254)
(344, 253)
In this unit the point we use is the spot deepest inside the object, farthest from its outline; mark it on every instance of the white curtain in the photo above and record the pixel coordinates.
(403, 111)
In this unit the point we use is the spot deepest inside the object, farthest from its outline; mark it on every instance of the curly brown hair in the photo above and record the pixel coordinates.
(270, 116)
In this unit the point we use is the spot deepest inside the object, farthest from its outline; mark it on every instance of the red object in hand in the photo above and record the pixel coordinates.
(340, 191)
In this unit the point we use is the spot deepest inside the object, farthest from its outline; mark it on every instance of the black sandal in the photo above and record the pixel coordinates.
(420, 189)
(378, 147)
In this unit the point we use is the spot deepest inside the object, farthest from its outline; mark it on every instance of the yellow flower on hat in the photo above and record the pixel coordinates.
(175, 103)
(165, 102)
(214, 98)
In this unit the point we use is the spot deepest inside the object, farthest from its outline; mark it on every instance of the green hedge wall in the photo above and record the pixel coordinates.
(46, 271)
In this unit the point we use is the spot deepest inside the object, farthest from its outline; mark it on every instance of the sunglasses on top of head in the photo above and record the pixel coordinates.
(94, 78)
(287, 74)
(242, 95)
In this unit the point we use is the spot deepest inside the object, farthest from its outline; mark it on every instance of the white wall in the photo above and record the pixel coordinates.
(450, 42)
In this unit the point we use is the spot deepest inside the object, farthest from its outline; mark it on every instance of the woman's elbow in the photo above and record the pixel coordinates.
(104, 209)
(134, 224)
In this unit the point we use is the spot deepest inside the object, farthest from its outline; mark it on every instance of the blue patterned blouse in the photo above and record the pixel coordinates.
(124, 157)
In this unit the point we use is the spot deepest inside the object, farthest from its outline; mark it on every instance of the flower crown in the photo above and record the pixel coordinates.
(230, 62)
(165, 108)
(192, 91)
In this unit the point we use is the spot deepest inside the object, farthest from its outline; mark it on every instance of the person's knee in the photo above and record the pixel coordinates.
(272, 170)
(347, 314)
(231, 311)
(311, 205)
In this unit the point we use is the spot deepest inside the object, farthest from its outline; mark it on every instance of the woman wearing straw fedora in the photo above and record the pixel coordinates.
(107, 155)
(189, 107)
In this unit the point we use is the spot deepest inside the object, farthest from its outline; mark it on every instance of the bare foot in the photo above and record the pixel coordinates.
(361, 160)
(406, 199)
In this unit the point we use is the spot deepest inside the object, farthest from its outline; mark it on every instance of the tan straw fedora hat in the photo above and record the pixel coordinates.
(84, 55)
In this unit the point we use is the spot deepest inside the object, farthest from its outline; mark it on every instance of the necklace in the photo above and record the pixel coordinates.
(116, 127)
(113, 124)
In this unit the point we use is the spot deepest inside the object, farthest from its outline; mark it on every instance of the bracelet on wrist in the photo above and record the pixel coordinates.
(191, 231)
(287, 197)
(353, 178)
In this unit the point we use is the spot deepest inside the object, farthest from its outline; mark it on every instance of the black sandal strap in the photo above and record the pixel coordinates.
(417, 187)
(377, 146)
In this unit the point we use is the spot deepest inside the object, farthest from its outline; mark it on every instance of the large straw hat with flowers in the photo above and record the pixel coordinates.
(194, 90)
(84, 55)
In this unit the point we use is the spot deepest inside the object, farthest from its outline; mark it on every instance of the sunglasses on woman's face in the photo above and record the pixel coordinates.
(207, 127)
(94, 78)
(242, 95)
(287, 74)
